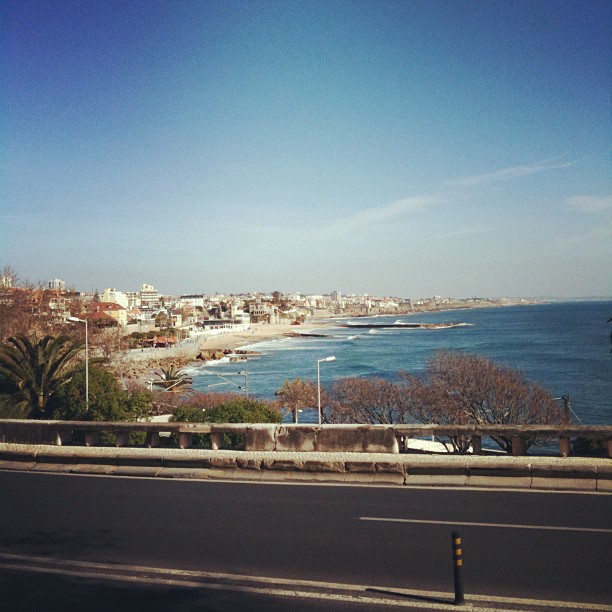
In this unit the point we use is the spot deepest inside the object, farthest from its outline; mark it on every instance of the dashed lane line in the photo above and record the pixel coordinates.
(475, 524)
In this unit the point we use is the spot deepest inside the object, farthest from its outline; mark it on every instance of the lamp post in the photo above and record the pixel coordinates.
(77, 320)
(332, 358)
(246, 382)
(245, 373)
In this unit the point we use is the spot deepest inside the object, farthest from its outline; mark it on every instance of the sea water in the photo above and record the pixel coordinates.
(564, 346)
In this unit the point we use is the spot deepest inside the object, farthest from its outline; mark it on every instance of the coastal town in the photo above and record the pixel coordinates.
(143, 330)
(195, 315)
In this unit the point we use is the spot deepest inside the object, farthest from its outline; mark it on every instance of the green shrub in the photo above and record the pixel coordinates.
(107, 402)
(243, 411)
(233, 411)
(105, 398)
(191, 414)
(10, 409)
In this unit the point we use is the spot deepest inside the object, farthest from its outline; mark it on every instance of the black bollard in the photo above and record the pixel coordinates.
(457, 568)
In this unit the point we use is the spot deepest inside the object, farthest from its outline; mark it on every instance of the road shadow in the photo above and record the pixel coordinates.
(23, 591)
(422, 598)
(73, 544)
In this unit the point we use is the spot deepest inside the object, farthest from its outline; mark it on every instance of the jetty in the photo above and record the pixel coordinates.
(304, 335)
(403, 325)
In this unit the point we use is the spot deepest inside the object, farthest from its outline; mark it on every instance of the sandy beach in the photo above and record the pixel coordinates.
(141, 365)
(257, 332)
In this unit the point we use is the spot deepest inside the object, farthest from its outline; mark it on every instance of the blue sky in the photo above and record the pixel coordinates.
(391, 148)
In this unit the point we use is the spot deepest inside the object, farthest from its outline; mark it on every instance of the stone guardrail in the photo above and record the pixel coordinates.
(297, 438)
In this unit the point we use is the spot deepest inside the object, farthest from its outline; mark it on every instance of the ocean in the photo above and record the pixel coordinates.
(564, 346)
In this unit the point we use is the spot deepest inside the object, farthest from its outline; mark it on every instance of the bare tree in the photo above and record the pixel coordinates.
(297, 394)
(463, 388)
(105, 341)
(28, 310)
(368, 400)
(428, 402)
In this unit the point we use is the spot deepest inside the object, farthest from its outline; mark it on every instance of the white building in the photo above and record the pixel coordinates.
(214, 327)
(133, 298)
(116, 297)
(149, 296)
(236, 311)
(242, 318)
(57, 284)
(193, 301)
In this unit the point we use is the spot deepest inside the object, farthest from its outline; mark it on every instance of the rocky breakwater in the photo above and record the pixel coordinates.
(402, 325)
(213, 354)
(304, 335)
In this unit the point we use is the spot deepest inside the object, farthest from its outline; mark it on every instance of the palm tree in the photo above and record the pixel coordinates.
(172, 379)
(32, 373)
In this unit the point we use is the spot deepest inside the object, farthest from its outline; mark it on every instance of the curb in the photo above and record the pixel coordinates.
(538, 473)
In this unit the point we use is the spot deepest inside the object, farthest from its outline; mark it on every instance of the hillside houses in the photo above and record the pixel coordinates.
(47, 306)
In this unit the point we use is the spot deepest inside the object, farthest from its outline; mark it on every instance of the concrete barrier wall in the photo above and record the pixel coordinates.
(555, 473)
(326, 438)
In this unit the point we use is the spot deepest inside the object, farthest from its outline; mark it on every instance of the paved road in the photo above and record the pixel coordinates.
(546, 546)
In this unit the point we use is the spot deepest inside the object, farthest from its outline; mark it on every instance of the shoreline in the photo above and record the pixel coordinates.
(140, 367)
(258, 332)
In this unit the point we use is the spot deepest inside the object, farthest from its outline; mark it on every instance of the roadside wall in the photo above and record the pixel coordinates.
(555, 473)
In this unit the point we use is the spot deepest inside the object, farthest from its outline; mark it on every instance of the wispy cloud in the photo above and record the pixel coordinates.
(388, 213)
(452, 191)
(513, 172)
(590, 204)
(399, 208)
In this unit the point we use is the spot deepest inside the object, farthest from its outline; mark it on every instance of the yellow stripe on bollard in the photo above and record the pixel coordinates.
(457, 565)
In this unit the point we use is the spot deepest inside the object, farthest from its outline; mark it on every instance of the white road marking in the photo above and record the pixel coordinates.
(243, 589)
(474, 524)
(297, 483)
(197, 579)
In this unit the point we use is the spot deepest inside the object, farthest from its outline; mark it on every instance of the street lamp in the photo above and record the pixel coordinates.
(77, 320)
(332, 358)
(568, 408)
(245, 373)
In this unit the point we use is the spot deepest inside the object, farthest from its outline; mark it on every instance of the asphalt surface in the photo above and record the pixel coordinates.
(113, 541)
